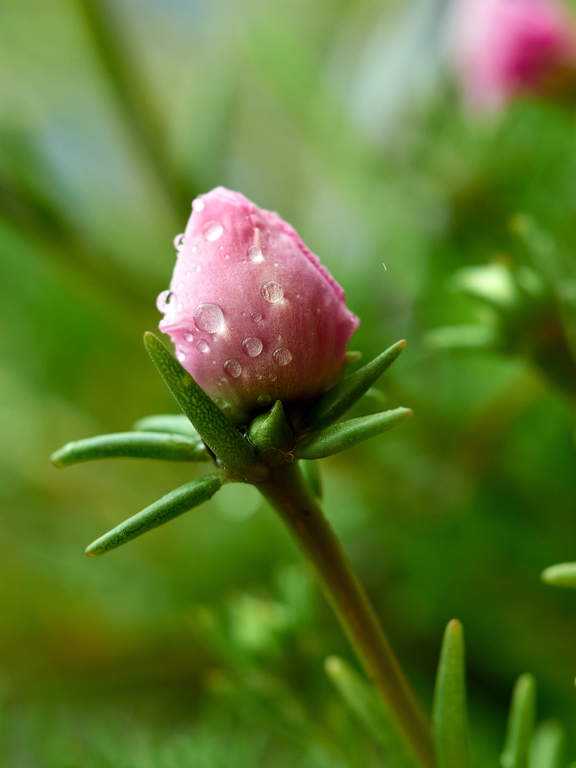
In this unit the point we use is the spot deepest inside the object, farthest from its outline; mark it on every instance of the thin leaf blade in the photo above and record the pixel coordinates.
(334, 403)
(560, 575)
(547, 747)
(215, 428)
(138, 445)
(167, 422)
(449, 715)
(320, 443)
(162, 511)
(520, 723)
(370, 710)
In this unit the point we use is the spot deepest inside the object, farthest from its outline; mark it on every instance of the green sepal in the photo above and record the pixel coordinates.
(547, 747)
(449, 715)
(333, 404)
(167, 508)
(560, 575)
(212, 424)
(138, 445)
(312, 476)
(520, 723)
(273, 436)
(339, 437)
(167, 422)
(370, 710)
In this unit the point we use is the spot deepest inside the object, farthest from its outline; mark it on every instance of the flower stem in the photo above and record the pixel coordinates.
(288, 494)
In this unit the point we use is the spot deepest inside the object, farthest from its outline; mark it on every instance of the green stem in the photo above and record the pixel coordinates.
(288, 494)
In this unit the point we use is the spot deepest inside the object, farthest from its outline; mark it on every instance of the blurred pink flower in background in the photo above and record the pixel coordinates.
(253, 314)
(503, 49)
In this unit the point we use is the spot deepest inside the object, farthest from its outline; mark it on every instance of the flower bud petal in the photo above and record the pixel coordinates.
(253, 314)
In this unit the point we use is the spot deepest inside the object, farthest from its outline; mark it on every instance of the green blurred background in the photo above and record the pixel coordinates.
(202, 644)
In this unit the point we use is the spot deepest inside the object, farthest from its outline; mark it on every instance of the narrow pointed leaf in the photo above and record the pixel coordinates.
(216, 429)
(334, 403)
(547, 747)
(138, 445)
(520, 723)
(449, 716)
(560, 575)
(339, 437)
(167, 508)
(370, 710)
(312, 476)
(167, 422)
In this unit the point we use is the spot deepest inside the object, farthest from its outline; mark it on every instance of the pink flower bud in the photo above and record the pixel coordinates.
(252, 313)
(508, 48)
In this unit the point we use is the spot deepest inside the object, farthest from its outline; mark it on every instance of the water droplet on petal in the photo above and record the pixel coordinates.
(198, 204)
(212, 230)
(255, 317)
(272, 292)
(181, 356)
(179, 306)
(264, 399)
(163, 301)
(255, 253)
(202, 346)
(232, 368)
(282, 356)
(180, 286)
(208, 318)
(198, 268)
(252, 346)
(179, 242)
(193, 249)
(189, 338)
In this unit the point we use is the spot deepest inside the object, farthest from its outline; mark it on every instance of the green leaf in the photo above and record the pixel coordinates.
(167, 422)
(560, 575)
(324, 442)
(368, 707)
(449, 716)
(138, 445)
(334, 403)
(465, 336)
(520, 723)
(547, 747)
(490, 283)
(312, 476)
(215, 428)
(167, 508)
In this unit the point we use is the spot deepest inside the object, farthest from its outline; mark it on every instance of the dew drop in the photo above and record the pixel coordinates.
(179, 242)
(202, 346)
(255, 317)
(179, 306)
(181, 356)
(264, 400)
(255, 254)
(212, 231)
(198, 268)
(198, 204)
(209, 318)
(193, 249)
(252, 346)
(232, 368)
(272, 292)
(189, 338)
(282, 356)
(180, 286)
(163, 301)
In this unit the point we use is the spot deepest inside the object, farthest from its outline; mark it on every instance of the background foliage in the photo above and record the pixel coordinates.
(203, 643)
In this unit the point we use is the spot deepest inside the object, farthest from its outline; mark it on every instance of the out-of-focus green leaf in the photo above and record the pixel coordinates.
(560, 575)
(311, 473)
(461, 337)
(334, 403)
(449, 715)
(364, 702)
(137, 445)
(547, 747)
(520, 723)
(216, 429)
(339, 437)
(166, 422)
(167, 508)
